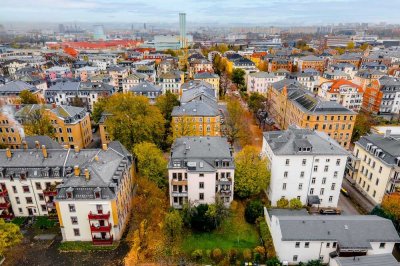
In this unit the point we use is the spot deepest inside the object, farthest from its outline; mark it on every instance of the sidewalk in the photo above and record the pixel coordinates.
(357, 197)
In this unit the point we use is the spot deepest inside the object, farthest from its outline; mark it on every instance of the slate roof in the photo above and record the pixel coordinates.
(369, 260)
(196, 108)
(43, 140)
(350, 231)
(262, 74)
(295, 141)
(145, 86)
(205, 75)
(70, 114)
(69, 86)
(390, 146)
(15, 87)
(311, 58)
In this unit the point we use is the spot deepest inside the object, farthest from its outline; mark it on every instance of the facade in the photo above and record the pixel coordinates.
(200, 170)
(132, 80)
(301, 238)
(290, 104)
(200, 66)
(118, 75)
(304, 164)
(147, 89)
(349, 69)
(71, 124)
(308, 78)
(84, 73)
(193, 88)
(280, 63)
(390, 88)
(372, 98)
(57, 72)
(211, 78)
(9, 92)
(260, 81)
(11, 131)
(377, 164)
(311, 61)
(344, 92)
(171, 81)
(182, 30)
(90, 190)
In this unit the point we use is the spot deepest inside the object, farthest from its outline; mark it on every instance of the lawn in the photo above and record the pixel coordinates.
(234, 232)
(83, 246)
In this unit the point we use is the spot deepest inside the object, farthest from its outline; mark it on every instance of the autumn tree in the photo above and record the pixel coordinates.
(391, 205)
(10, 235)
(256, 102)
(173, 226)
(282, 203)
(350, 45)
(166, 103)
(77, 102)
(183, 126)
(133, 120)
(364, 46)
(362, 126)
(28, 97)
(263, 66)
(151, 162)
(251, 174)
(295, 204)
(235, 123)
(98, 109)
(37, 122)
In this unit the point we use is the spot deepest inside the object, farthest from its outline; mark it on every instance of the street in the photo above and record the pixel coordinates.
(347, 206)
(357, 197)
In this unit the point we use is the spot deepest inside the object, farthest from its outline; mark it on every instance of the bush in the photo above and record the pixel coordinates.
(254, 209)
(217, 255)
(266, 238)
(295, 204)
(273, 262)
(282, 203)
(259, 253)
(233, 255)
(44, 223)
(197, 254)
(247, 254)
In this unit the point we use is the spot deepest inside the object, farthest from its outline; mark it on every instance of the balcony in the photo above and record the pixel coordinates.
(104, 228)
(103, 241)
(7, 216)
(395, 180)
(4, 205)
(179, 183)
(3, 192)
(50, 192)
(98, 216)
(225, 192)
(179, 194)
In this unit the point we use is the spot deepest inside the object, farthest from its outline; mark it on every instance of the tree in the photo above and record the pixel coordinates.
(235, 120)
(183, 126)
(217, 212)
(27, 97)
(254, 209)
(166, 103)
(364, 46)
(151, 162)
(350, 45)
(133, 120)
(391, 205)
(10, 235)
(217, 255)
(273, 262)
(282, 203)
(251, 175)
(170, 52)
(77, 102)
(295, 204)
(202, 220)
(256, 102)
(173, 226)
(362, 125)
(38, 123)
(263, 66)
(98, 109)
(238, 76)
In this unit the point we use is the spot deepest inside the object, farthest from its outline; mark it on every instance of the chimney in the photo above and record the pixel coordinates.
(8, 153)
(387, 133)
(44, 150)
(76, 149)
(105, 147)
(37, 144)
(77, 171)
(25, 145)
(87, 174)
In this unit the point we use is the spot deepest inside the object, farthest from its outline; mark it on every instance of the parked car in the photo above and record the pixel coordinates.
(344, 192)
(329, 212)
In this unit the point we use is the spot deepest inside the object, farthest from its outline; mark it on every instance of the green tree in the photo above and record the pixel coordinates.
(173, 226)
(10, 235)
(256, 102)
(295, 204)
(273, 262)
(98, 109)
(282, 203)
(362, 126)
(238, 76)
(254, 209)
(235, 124)
(151, 162)
(251, 175)
(217, 212)
(166, 103)
(28, 97)
(133, 120)
(38, 123)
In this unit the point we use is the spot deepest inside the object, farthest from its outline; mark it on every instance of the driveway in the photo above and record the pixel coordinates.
(347, 206)
(357, 197)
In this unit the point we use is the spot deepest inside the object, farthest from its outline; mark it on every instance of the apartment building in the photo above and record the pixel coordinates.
(365, 77)
(377, 165)
(71, 124)
(211, 78)
(347, 68)
(118, 76)
(200, 170)
(84, 73)
(9, 92)
(348, 58)
(131, 81)
(89, 190)
(301, 237)
(171, 81)
(311, 61)
(304, 164)
(372, 98)
(275, 64)
(199, 66)
(88, 93)
(198, 87)
(57, 72)
(390, 88)
(11, 132)
(10, 67)
(344, 92)
(290, 104)
(260, 81)
(308, 78)
(147, 89)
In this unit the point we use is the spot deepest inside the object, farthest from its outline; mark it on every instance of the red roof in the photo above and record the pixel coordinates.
(97, 45)
(336, 84)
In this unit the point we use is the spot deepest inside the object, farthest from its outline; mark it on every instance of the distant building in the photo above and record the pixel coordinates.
(98, 33)
(10, 91)
(260, 81)
(211, 78)
(182, 30)
(311, 61)
(171, 81)
(147, 89)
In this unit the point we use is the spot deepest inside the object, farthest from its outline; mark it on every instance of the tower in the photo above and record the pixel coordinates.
(182, 30)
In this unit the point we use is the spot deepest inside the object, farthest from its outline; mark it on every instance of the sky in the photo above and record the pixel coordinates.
(261, 12)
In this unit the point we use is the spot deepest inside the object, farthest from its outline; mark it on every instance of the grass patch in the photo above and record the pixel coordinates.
(234, 232)
(84, 246)
(18, 220)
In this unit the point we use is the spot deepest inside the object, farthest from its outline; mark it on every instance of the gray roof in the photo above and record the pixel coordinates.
(262, 74)
(196, 108)
(311, 58)
(70, 114)
(145, 86)
(80, 86)
(369, 260)
(205, 75)
(191, 84)
(302, 141)
(43, 140)
(203, 93)
(15, 87)
(350, 231)
(203, 151)
(389, 146)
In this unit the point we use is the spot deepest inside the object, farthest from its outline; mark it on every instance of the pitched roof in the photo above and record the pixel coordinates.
(16, 87)
(196, 108)
(389, 146)
(369, 260)
(335, 85)
(311, 58)
(145, 86)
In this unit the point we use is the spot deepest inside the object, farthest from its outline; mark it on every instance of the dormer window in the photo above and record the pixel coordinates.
(69, 193)
(97, 193)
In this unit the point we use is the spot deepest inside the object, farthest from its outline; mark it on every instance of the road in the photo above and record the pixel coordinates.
(357, 197)
(347, 206)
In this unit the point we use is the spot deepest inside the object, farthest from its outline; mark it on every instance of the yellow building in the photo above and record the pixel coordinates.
(211, 78)
(71, 124)
(9, 92)
(104, 136)
(11, 131)
(290, 104)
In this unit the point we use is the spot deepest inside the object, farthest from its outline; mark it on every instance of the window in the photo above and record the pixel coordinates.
(201, 185)
(334, 245)
(313, 180)
(326, 168)
(71, 207)
(374, 194)
(333, 186)
(201, 196)
(201, 175)
(321, 192)
(315, 168)
(330, 198)
(323, 181)
(380, 169)
(307, 245)
(382, 245)
(311, 191)
(300, 186)
(338, 162)
(328, 245)
(297, 245)
(287, 161)
(25, 189)
(43, 207)
(301, 174)
(304, 162)
(285, 174)
(17, 200)
(29, 200)
(284, 186)
(295, 258)
(76, 232)
(14, 189)
(38, 186)
(335, 174)
(41, 196)
(74, 220)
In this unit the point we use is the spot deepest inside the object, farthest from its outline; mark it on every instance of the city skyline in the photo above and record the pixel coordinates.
(301, 12)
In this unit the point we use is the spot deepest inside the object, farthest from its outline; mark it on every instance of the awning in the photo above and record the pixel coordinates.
(313, 199)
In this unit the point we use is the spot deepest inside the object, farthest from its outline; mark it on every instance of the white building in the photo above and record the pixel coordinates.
(304, 164)
(260, 81)
(301, 238)
(90, 190)
(132, 80)
(171, 81)
(200, 170)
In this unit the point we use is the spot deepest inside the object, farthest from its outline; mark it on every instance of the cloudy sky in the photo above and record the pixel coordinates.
(202, 11)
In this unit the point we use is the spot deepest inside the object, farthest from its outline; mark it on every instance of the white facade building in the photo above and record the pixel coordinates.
(304, 164)
(200, 170)
(260, 81)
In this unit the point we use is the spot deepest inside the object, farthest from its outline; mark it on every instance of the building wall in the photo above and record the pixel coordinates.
(10, 132)
(372, 100)
(196, 126)
(317, 65)
(213, 81)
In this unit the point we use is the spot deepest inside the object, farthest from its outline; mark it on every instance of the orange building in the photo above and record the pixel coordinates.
(276, 64)
(372, 98)
(311, 61)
